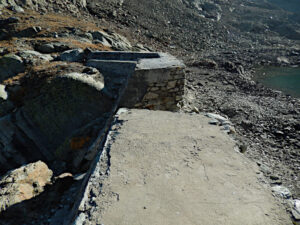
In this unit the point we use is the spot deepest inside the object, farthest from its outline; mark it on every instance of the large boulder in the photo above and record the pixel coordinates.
(67, 115)
(61, 113)
(51, 47)
(73, 55)
(10, 65)
(116, 41)
(34, 57)
(23, 183)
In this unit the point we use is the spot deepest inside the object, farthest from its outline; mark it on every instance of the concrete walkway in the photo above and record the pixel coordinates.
(169, 168)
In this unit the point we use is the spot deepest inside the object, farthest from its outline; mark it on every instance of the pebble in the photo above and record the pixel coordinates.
(217, 117)
(17, 9)
(265, 169)
(282, 191)
(214, 122)
(296, 209)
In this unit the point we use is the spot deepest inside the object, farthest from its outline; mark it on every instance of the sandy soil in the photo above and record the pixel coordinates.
(171, 168)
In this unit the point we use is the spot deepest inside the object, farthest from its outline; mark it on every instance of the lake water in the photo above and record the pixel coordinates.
(284, 79)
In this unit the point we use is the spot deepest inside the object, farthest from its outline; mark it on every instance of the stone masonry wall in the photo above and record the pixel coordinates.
(166, 93)
(156, 84)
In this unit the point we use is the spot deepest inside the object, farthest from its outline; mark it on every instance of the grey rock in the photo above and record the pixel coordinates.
(214, 116)
(282, 191)
(296, 210)
(296, 214)
(230, 66)
(274, 177)
(10, 65)
(140, 48)
(90, 70)
(98, 37)
(116, 41)
(17, 9)
(9, 20)
(88, 36)
(51, 47)
(45, 48)
(120, 43)
(207, 63)
(34, 57)
(29, 32)
(74, 55)
(227, 128)
(283, 60)
(214, 122)
(265, 169)
(23, 184)
(240, 69)
(242, 148)
(76, 104)
(3, 93)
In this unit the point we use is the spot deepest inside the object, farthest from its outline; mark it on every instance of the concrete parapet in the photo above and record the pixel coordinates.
(113, 67)
(155, 80)
(126, 56)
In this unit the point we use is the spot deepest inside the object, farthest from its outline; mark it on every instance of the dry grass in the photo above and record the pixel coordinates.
(51, 22)
(49, 69)
(10, 45)
(14, 80)
(72, 43)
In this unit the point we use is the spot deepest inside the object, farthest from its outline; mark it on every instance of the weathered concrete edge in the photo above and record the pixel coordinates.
(100, 169)
(165, 60)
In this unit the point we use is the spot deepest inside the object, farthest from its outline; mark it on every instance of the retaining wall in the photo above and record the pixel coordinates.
(155, 80)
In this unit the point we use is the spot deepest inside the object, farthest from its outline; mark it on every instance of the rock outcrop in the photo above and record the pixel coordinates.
(10, 65)
(23, 183)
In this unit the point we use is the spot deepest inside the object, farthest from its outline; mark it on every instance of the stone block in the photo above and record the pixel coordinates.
(150, 95)
(171, 84)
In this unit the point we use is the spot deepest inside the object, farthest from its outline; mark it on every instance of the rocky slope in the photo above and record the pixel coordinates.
(221, 42)
(53, 107)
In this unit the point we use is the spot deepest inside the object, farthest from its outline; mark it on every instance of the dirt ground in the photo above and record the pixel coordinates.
(174, 168)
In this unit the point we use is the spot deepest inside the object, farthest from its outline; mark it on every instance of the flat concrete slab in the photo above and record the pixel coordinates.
(169, 168)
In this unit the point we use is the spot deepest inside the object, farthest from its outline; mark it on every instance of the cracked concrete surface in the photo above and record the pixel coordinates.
(171, 168)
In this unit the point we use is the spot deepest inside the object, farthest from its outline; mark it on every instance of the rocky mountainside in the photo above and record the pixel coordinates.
(53, 107)
(44, 43)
